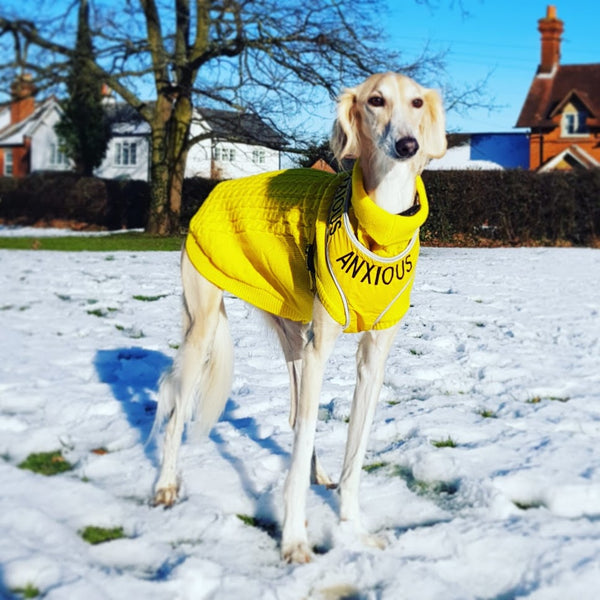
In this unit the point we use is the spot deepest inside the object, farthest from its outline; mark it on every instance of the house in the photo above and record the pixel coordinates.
(484, 151)
(226, 144)
(234, 145)
(27, 139)
(562, 108)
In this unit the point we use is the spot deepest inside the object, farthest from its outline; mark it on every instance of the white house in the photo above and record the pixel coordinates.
(226, 146)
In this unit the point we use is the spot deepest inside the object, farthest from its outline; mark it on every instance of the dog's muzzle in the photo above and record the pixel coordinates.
(406, 147)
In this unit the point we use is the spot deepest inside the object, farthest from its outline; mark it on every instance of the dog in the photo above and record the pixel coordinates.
(392, 127)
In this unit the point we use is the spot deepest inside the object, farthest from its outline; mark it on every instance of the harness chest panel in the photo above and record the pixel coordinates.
(252, 237)
(366, 270)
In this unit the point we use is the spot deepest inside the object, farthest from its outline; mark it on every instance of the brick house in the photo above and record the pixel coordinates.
(27, 139)
(562, 108)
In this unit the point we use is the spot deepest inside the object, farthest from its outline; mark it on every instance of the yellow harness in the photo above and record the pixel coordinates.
(271, 239)
(363, 289)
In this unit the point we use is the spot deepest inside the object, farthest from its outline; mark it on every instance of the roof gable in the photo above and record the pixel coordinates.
(573, 157)
(14, 134)
(549, 93)
(576, 98)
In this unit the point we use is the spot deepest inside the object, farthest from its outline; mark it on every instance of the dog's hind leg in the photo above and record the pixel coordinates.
(199, 382)
(292, 336)
(372, 353)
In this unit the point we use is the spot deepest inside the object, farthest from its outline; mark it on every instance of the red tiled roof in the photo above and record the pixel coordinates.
(548, 92)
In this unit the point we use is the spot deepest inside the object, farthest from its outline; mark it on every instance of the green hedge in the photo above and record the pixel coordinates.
(513, 207)
(69, 200)
(466, 207)
(65, 198)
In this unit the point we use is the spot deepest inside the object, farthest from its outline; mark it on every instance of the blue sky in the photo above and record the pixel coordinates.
(496, 38)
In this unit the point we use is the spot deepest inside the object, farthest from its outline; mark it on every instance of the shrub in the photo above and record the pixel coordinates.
(513, 207)
(473, 208)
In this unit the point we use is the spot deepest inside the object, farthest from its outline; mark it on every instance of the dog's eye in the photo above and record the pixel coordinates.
(376, 101)
(417, 102)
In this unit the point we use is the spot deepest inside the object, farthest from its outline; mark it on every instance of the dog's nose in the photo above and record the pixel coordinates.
(406, 147)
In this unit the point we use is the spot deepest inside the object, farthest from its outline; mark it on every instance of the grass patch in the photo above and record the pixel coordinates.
(269, 527)
(538, 399)
(370, 468)
(425, 488)
(46, 463)
(487, 414)
(527, 505)
(29, 591)
(99, 535)
(149, 298)
(447, 443)
(102, 243)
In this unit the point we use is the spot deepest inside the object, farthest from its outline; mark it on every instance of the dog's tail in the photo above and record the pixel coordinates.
(199, 382)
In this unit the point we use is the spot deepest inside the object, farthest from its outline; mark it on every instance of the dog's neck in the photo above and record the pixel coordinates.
(391, 186)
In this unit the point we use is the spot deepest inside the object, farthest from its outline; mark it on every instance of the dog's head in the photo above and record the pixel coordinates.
(390, 115)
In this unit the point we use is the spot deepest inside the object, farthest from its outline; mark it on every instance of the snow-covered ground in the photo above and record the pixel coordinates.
(500, 353)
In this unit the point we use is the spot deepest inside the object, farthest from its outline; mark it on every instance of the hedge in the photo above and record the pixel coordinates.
(70, 200)
(513, 207)
(466, 207)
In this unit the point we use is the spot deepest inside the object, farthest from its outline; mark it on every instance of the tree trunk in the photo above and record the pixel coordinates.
(169, 137)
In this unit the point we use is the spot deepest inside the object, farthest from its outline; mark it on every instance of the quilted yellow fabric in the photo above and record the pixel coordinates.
(253, 237)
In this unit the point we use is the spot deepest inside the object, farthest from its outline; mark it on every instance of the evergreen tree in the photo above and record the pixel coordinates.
(83, 128)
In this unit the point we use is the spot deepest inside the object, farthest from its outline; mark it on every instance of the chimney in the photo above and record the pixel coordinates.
(22, 91)
(551, 29)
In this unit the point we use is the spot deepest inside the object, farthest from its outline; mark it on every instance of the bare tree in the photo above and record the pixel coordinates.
(266, 56)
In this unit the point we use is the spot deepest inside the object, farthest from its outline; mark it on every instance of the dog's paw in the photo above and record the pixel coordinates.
(351, 533)
(374, 541)
(298, 553)
(166, 496)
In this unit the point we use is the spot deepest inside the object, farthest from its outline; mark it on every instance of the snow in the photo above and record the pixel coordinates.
(18, 231)
(512, 511)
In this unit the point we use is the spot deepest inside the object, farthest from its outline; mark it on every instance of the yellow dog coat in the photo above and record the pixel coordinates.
(263, 237)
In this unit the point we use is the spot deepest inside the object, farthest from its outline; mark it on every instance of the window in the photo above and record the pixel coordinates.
(574, 123)
(8, 162)
(224, 154)
(126, 153)
(57, 156)
(258, 157)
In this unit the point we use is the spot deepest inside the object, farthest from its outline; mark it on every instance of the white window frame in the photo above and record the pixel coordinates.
(259, 156)
(222, 154)
(126, 153)
(57, 156)
(573, 123)
(9, 164)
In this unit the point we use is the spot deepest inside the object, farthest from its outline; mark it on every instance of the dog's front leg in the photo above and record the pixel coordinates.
(372, 353)
(294, 541)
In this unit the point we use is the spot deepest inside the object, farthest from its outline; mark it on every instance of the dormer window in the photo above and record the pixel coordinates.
(574, 122)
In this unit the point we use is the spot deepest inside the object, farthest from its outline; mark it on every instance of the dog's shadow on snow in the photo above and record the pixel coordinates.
(249, 427)
(133, 375)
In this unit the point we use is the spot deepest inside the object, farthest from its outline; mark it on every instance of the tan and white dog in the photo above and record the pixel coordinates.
(392, 126)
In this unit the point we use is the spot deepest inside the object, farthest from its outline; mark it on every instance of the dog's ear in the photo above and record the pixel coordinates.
(433, 126)
(344, 137)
